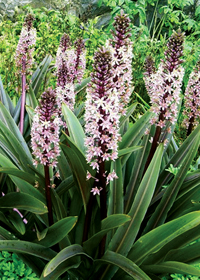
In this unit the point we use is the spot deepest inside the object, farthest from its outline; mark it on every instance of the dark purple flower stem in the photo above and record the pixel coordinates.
(23, 96)
(191, 125)
(48, 194)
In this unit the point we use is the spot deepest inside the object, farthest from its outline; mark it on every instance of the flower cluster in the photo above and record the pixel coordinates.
(121, 49)
(102, 114)
(164, 85)
(150, 69)
(65, 63)
(70, 64)
(80, 59)
(45, 130)
(192, 99)
(25, 45)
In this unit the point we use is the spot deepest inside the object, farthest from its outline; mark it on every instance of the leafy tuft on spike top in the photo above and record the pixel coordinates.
(45, 130)
(102, 114)
(192, 100)
(121, 49)
(25, 46)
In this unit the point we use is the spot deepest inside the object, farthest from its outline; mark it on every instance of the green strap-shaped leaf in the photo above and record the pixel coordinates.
(62, 256)
(116, 205)
(134, 133)
(80, 87)
(124, 237)
(30, 112)
(24, 202)
(59, 208)
(127, 233)
(30, 178)
(137, 172)
(164, 235)
(11, 125)
(39, 74)
(31, 100)
(79, 167)
(171, 267)
(58, 231)
(12, 145)
(177, 159)
(129, 112)
(17, 222)
(127, 265)
(20, 183)
(187, 254)
(181, 240)
(5, 99)
(128, 150)
(171, 192)
(17, 246)
(74, 127)
(111, 222)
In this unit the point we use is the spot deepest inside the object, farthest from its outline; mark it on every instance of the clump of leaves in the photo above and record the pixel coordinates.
(11, 267)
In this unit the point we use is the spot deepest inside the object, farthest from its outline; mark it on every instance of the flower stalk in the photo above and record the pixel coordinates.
(70, 64)
(164, 87)
(102, 130)
(122, 52)
(45, 139)
(24, 59)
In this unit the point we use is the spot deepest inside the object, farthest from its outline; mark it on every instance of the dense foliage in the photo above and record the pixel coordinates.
(12, 267)
(89, 190)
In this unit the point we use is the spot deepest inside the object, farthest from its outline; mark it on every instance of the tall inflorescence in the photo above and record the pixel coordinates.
(65, 64)
(150, 69)
(192, 100)
(102, 117)
(80, 65)
(164, 85)
(24, 52)
(45, 130)
(70, 64)
(121, 48)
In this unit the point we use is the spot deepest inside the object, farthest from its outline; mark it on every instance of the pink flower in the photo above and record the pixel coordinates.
(70, 64)
(164, 85)
(192, 99)
(25, 48)
(45, 130)
(102, 113)
(96, 191)
(121, 50)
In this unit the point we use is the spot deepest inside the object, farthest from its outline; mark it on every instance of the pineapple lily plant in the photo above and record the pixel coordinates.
(96, 192)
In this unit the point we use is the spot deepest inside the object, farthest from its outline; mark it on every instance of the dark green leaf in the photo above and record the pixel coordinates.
(62, 256)
(74, 127)
(58, 231)
(127, 265)
(24, 202)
